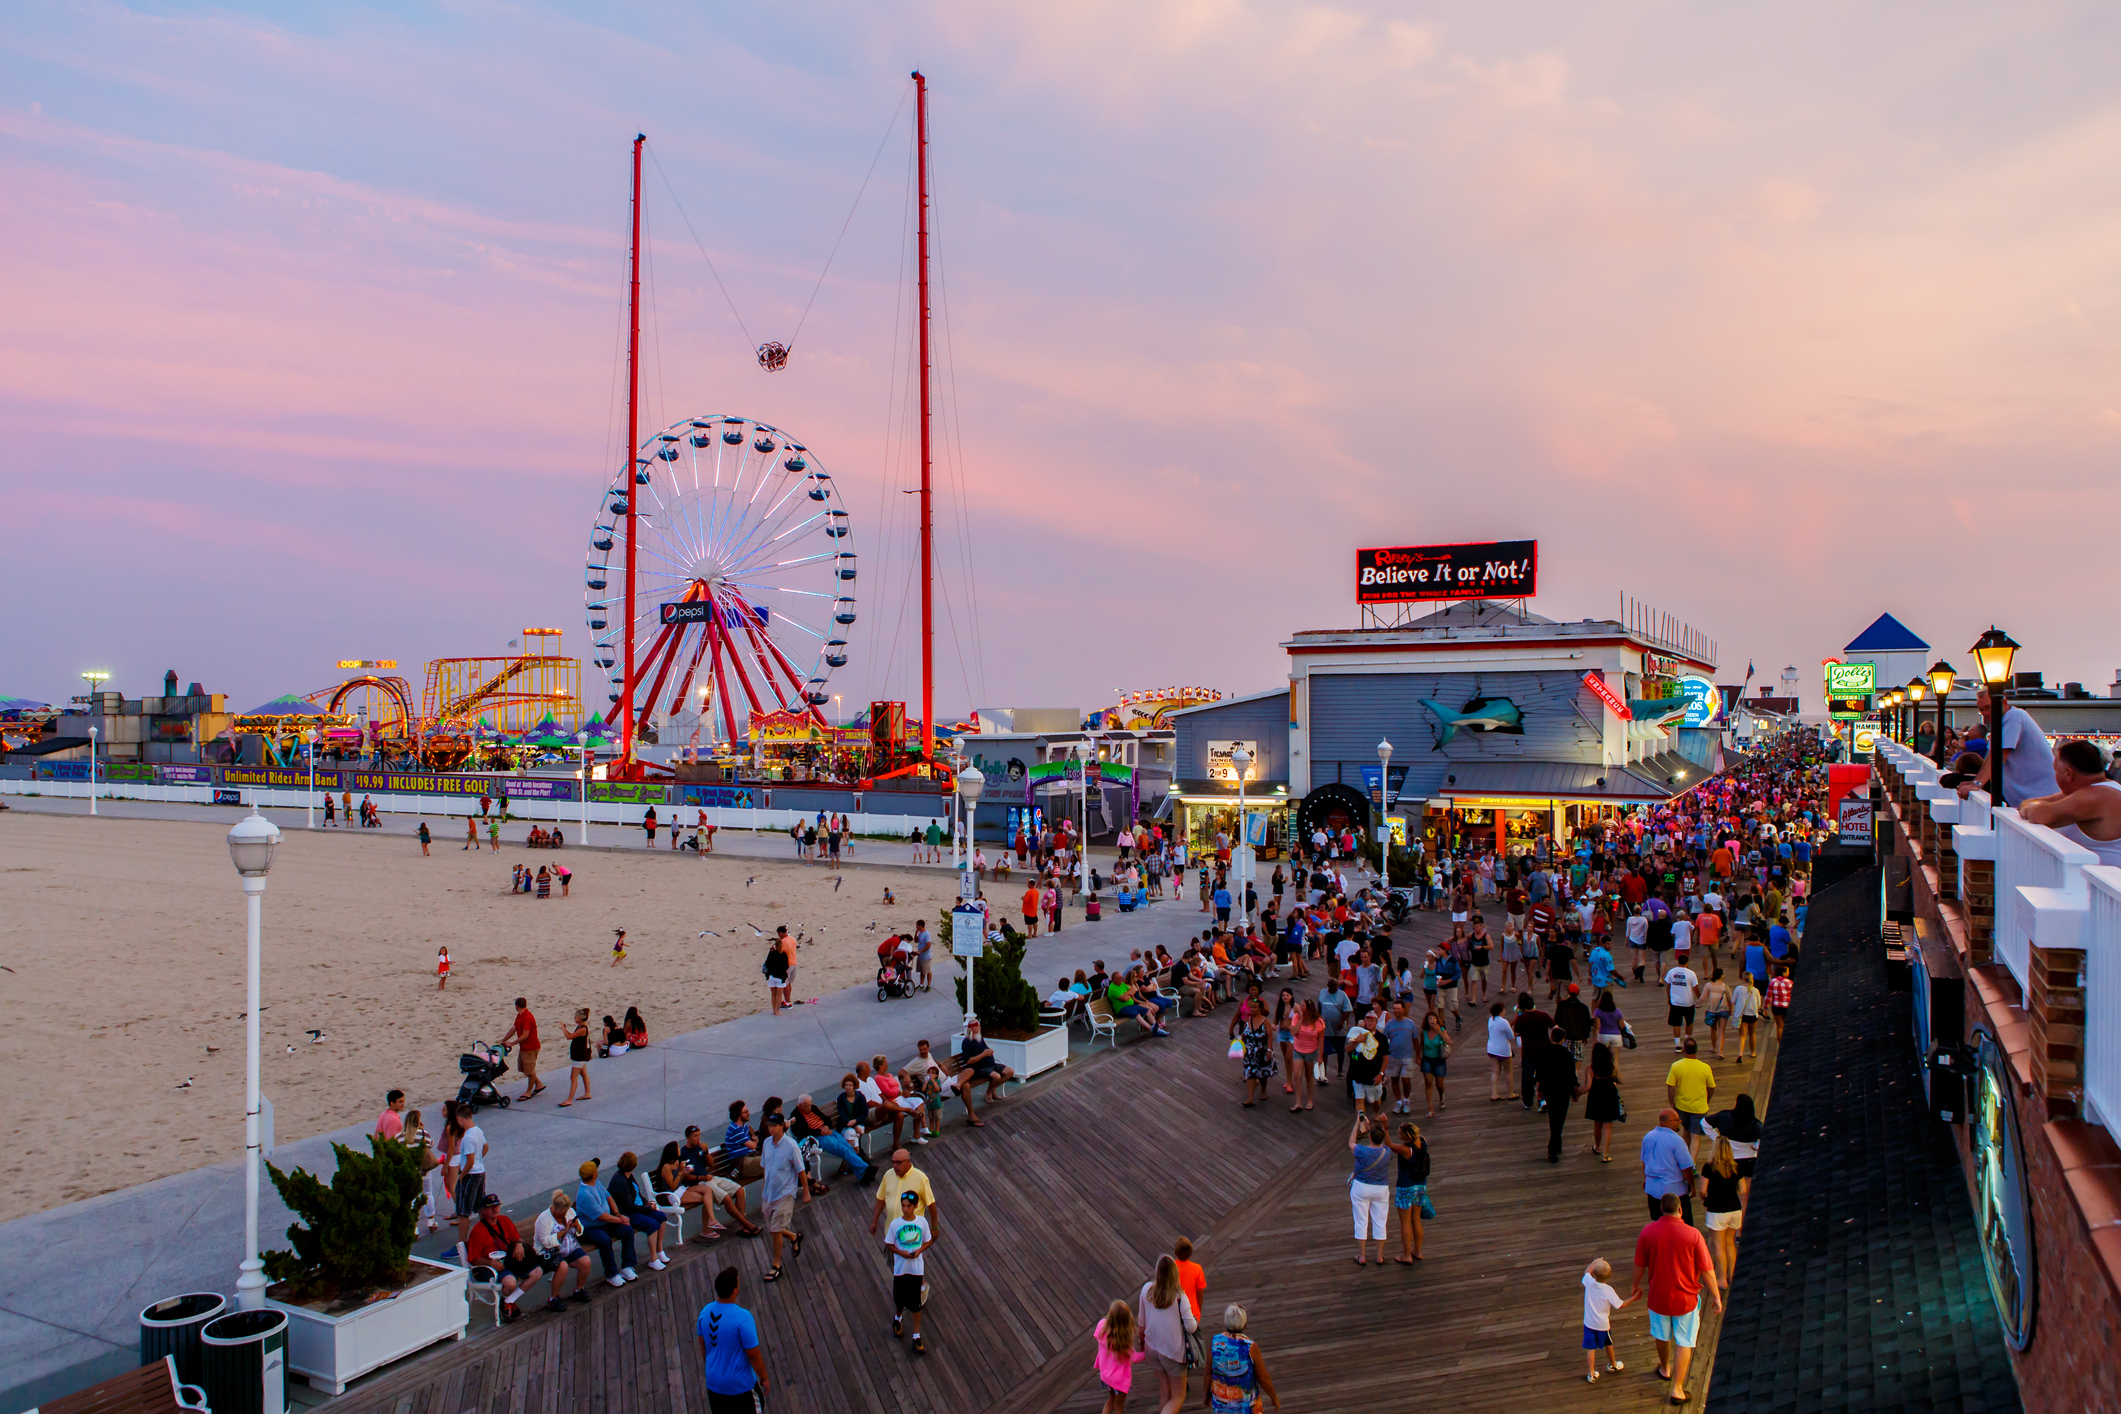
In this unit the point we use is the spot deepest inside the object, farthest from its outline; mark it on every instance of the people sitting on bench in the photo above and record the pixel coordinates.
(976, 1065)
(809, 1125)
(1128, 998)
(708, 1187)
(881, 1089)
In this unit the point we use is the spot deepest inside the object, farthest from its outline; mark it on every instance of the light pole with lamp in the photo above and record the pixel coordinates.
(1942, 675)
(1917, 689)
(970, 782)
(1993, 653)
(252, 844)
(1241, 762)
(1087, 750)
(95, 678)
(92, 770)
(1384, 825)
(309, 747)
(582, 740)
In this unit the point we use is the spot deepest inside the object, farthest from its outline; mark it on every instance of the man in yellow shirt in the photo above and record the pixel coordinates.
(1688, 1086)
(903, 1178)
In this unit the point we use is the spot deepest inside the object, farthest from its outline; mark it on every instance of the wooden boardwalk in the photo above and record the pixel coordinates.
(1063, 1203)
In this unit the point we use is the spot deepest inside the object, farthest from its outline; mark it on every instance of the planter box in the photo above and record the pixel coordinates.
(1048, 1050)
(335, 1350)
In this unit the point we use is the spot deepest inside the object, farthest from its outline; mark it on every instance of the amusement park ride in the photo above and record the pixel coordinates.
(722, 553)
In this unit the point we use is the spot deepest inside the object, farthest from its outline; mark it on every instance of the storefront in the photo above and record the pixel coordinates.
(1199, 819)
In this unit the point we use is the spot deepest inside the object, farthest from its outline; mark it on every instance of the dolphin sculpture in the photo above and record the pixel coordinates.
(1480, 714)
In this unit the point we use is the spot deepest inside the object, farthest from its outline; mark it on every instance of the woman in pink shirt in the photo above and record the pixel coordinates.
(1310, 1030)
(1117, 1355)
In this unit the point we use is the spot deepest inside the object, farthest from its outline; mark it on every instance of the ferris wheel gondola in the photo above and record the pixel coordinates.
(744, 573)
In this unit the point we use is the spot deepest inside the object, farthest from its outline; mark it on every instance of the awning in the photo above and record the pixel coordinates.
(1565, 781)
(1668, 774)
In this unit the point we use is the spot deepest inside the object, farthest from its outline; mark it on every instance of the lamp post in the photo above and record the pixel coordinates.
(309, 747)
(1087, 750)
(970, 782)
(92, 770)
(251, 845)
(1942, 674)
(1917, 689)
(582, 740)
(1384, 803)
(1240, 762)
(1993, 653)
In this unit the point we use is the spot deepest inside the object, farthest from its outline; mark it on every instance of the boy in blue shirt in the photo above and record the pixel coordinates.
(729, 1351)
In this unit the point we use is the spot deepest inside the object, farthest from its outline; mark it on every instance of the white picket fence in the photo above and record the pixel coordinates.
(564, 813)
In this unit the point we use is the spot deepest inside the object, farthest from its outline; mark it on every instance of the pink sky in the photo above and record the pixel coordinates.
(1774, 320)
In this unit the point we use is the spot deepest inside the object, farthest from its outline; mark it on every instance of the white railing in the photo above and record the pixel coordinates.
(2102, 996)
(2038, 873)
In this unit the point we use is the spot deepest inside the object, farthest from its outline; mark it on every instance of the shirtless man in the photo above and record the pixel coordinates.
(2087, 808)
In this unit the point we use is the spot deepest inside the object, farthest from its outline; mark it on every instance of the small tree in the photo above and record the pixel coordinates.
(358, 1231)
(1005, 1003)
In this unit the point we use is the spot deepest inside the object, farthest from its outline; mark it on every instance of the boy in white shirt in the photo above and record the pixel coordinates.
(1600, 1301)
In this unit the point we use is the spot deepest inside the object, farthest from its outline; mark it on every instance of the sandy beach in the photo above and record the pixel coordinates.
(125, 944)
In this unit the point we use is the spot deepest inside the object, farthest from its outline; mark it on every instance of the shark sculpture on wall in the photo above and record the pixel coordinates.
(1654, 716)
(1480, 714)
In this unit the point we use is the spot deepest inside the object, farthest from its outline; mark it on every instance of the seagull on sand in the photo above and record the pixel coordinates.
(709, 933)
(185, 1083)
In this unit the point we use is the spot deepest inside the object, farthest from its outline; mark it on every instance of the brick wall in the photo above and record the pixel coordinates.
(2073, 1169)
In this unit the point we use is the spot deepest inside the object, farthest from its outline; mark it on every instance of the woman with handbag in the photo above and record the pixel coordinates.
(1164, 1316)
(1310, 1031)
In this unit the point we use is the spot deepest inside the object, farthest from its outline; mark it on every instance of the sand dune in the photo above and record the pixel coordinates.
(126, 942)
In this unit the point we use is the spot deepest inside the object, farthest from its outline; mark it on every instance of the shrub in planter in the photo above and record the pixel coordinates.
(355, 1232)
(1006, 1004)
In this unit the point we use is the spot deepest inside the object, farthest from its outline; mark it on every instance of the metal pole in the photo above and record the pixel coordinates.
(311, 748)
(585, 795)
(1995, 745)
(1244, 846)
(920, 125)
(91, 770)
(627, 485)
(250, 1284)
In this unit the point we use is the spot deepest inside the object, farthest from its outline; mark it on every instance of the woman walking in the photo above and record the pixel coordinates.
(1725, 1206)
(1166, 1318)
(1716, 1006)
(1237, 1377)
(1502, 1048)
(1512, 955)
(1610, 1027)
(1602, 1107)
(1369, 1186)
(577, 1054)
(1435, 1050)
(1410, 1196)
(1310, 1041)
(1249, 1028)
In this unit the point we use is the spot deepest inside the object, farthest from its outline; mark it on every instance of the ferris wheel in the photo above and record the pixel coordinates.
(743, 576)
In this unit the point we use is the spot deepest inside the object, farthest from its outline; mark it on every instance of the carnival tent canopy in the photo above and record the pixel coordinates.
(287, 705)
(23, 704)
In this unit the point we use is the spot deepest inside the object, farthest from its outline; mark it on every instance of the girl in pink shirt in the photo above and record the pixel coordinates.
(1116, 1355)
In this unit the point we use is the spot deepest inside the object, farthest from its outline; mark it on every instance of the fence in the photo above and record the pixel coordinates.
(2038, 872)
(2102, 994)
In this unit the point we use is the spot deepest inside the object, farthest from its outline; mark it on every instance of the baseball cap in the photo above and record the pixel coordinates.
(1573, 989)
(490, 1201)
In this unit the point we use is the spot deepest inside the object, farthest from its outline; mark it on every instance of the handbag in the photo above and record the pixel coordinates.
(1237, 1050)
(1196, 1348)
(1627, 1038)
(1428, 1209)
(1621, 1107)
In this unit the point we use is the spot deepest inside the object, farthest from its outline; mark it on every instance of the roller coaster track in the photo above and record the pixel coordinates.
(462, 705)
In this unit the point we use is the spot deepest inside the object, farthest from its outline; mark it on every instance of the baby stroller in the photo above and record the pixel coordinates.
(482, 1066)
(894, 969)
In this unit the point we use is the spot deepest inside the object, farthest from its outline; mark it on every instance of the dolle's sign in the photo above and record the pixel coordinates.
(1509, 568)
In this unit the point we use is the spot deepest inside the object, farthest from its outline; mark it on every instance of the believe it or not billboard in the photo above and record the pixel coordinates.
(1507, 569)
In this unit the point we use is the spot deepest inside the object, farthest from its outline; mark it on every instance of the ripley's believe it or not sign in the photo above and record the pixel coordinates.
(1509, 568)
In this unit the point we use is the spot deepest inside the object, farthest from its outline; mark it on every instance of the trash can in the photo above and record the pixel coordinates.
(246, 1362)
(171, 1327)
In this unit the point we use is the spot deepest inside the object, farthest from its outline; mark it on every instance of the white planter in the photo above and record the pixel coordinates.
(1048, 1050)
(335, 1350)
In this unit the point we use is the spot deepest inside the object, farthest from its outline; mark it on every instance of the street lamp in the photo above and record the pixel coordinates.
(1942, 675)
(970, 782)
(92, 770)
(1384, 799)
(251, 845)
(1087, 750)
(1993, 653)
(581, 739)
(309, 746)
(1917, 689)
(1240, 762)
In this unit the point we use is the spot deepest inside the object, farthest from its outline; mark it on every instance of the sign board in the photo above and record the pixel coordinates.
(1396, 825)
(1219, 767)
(1704, 704)
(1505, 568)
(1866, 738)
(1848, 709)
(228, 797)
(968, 931)
(1856, 820)
(689, 611)
(1615, 703)
(1850, 679)
(1255, 829)
(1661, 665)
(368, 662)
(967, 885)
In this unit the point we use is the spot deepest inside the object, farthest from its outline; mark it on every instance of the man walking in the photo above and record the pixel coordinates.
(524, 1034)
(782, 1160)
(909, 1238)
(1555, 1070)
(904, 1178)
(1667, 1166)
(729, 1350)
(1688, 1087)
(1672, 1263)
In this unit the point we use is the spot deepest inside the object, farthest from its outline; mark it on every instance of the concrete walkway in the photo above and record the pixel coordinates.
(80, 1275)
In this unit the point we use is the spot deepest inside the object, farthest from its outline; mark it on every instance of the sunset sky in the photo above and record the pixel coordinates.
(1774, 317)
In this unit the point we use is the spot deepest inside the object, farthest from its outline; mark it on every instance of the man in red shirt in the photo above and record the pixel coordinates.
(1672, 1262)
(525, 1036)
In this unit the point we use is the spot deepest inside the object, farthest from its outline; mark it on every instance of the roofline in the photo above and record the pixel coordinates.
(1230, 701)
(1437, 646)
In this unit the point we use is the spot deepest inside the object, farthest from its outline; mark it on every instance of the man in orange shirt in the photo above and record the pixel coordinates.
(1708, 930)
(1191, 1279)
(1031, 902)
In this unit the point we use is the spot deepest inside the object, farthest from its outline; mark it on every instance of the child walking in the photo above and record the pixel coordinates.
(1600, 1301)
(1116, 1356)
